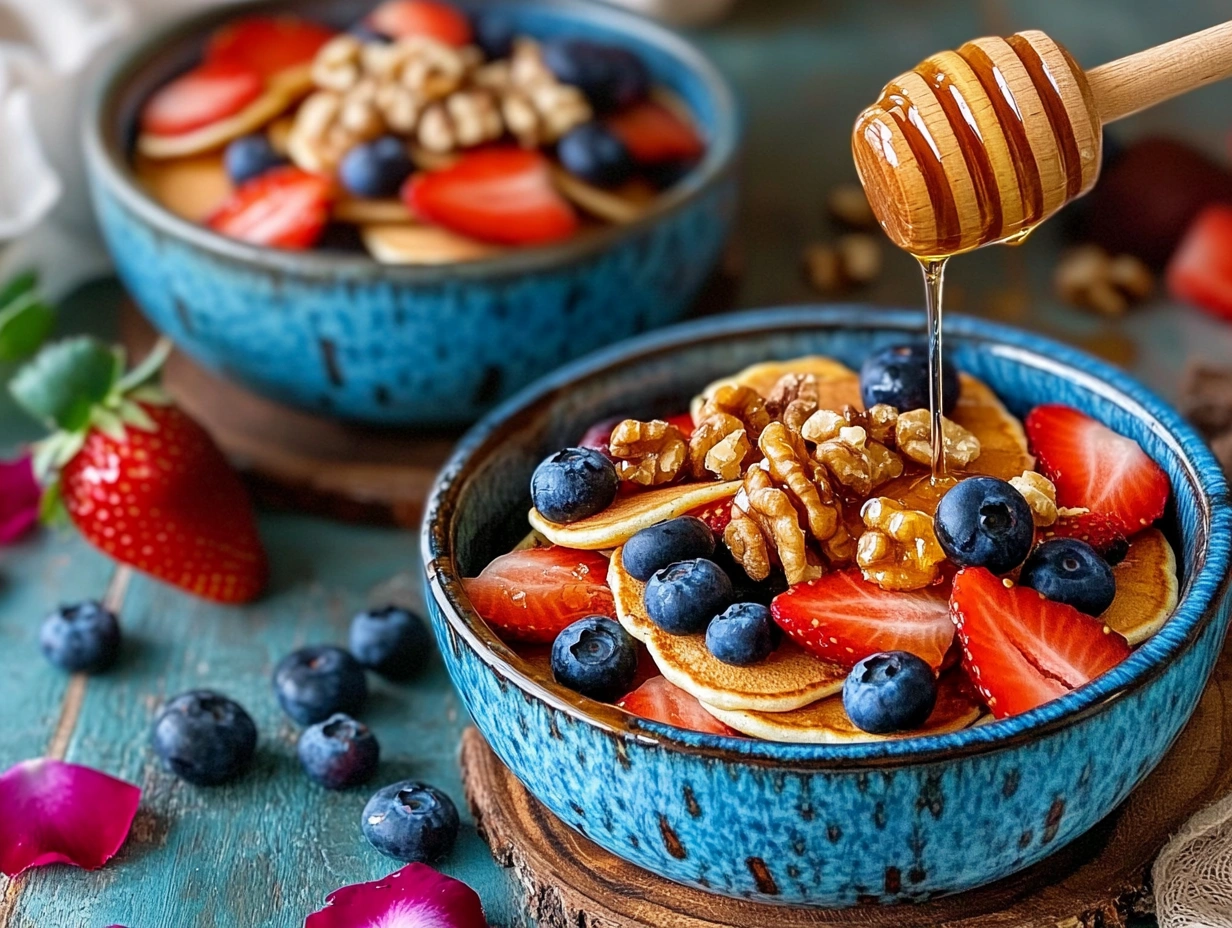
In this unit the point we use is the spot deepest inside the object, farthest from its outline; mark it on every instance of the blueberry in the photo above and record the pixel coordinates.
(204, 737)
(611, 77)
(249, 157)
(985, 522)
(1070, 571)
(744, 587)
(573, 484)
(392, 641)
(411, 822)
(594, 153)
(684, 597)
(890, 692)
(898, 377)
(742, 635)
(494, 33)
(82, 638)
(314, 683)
(339, 753)
(654, 548)
(376, 169)
(595, 657)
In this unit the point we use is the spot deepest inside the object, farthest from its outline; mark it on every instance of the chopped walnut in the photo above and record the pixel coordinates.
(857, 463)
(848, 204)
(463, 119)
(537, 108)
(720, 446)
(880, 423)
(762, 505)
(788, 461)
(745, 403)
(1090, 278)
(648, 453)
(793, 399)
(913, 435)
(853, 261)
(744, 538)
(899, 551)
(840, 548)
(1040, 495)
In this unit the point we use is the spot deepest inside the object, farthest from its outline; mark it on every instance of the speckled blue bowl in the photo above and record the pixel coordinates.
(823, 825)
(343, 335)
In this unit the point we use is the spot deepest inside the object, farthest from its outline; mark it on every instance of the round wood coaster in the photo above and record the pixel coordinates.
(299, 461)
(1100, 880)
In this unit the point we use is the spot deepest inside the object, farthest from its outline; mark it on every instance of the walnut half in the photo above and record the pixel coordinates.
(1040, 495)
(765, 527)
(899, 551)
(913, 434)
(648, 453)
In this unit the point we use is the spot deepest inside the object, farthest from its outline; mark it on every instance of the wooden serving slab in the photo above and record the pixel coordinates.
(1099, 881)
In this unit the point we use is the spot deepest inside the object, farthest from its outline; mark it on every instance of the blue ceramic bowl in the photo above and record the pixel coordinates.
(343, 335)
(823, 825)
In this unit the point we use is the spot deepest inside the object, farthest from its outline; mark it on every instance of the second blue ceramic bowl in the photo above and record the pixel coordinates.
(343, 335)
(810, 824)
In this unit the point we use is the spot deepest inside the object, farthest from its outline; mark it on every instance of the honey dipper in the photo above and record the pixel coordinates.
(982, 144)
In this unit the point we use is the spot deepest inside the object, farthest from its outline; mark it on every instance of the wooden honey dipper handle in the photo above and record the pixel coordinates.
(1126, 86)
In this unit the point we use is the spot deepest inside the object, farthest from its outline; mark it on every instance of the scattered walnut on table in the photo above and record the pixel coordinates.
(1040, 495)
(789, 463)
(848, 204)
(1090, 278)
(913, 436)
(854, 260)
(648, 453)
(899, 551)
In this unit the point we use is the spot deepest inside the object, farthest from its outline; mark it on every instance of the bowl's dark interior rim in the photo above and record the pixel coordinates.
(1195, 611)
(104, 148)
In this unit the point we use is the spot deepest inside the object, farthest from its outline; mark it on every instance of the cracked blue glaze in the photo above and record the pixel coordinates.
(821, 824)
(339, 334)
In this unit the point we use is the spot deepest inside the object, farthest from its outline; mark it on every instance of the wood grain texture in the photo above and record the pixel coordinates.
(1100, 880)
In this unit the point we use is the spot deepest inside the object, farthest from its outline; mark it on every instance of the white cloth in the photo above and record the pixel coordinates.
(1193, 875)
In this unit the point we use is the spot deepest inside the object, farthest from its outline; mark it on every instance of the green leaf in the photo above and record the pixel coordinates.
(20, 285)
(67, 380)
(52, 510)
(25, 324)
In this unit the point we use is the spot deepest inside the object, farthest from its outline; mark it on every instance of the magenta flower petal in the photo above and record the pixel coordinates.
(19, 499)
(57, 813)
(414, 897)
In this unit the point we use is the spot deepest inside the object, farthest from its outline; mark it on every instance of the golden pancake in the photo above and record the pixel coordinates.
(1146, 588)
(826, 722)
(279, 95)
(375, 212)
(193, 188)
(790, 678)
(628, 516)
(407, 243)
(842, 384)
(621, 206)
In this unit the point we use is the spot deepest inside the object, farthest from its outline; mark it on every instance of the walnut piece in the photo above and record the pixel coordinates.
(880, 423)
(762, 505)
(648, 453)
(1040, 495)
(793, 399)
(1090, 278)
(899, 551)
(788, 461)
(745, 403)
(848, 204)
(853, 261)
(719, 446)
(913, 435)
(857, 463)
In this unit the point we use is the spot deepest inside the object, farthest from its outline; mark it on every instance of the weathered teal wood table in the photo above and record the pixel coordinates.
(266, 850)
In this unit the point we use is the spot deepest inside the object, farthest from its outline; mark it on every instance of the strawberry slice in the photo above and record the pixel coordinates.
(1200, 271)
(661, 701)
(283, 208)
(717, 515)
(1095, 468)
(268, 45)
(843, 618)
(684, 422)
(502, 195)
(654, 134)
(533, 595)
(205, 95)
(401, 18)
(1100, 532)
(1022, 650)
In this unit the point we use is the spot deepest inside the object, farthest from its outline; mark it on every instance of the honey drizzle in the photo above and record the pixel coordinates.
(1054, 106)
(898, 106)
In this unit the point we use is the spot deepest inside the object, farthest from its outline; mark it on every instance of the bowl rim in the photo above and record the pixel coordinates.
(1204, 590)
(111, 165)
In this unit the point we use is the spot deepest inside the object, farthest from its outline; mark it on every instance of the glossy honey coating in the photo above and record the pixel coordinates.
(978, 145)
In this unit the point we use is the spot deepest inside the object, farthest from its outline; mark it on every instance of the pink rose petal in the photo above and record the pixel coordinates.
(19, 499)
(57, 813)
(414, 897)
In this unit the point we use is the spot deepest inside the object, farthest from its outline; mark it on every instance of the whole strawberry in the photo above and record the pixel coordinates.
(142, 481)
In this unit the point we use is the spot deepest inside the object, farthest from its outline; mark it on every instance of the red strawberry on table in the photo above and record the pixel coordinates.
(1099, 531)
(844, 618)
(399, 19)
(203, 96)
(1022, 650)
(1095, 468)
(142, 481)
(1200, 271)
(503, 195)
(534, 594)
(269, 45)
(654, 134)
(282, 208)
(661, 701)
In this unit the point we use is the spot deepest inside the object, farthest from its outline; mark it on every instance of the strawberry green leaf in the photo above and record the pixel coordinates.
(26, 282)
(25, 318)
(66, 381)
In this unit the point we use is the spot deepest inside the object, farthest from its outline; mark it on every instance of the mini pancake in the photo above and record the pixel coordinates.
(621, 206)
(842, 384)
(789, 679)
(364, 212)
(629, 515)
(408, 243)
(826, 722)
(1146, 588)
(193, 187)
(281, 92)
